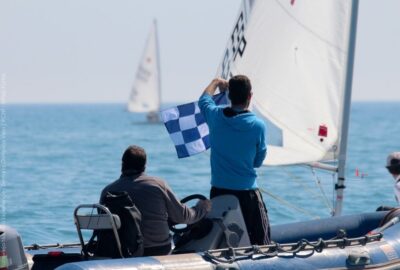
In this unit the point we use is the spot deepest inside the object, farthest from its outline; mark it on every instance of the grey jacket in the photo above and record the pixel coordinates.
(157, 203)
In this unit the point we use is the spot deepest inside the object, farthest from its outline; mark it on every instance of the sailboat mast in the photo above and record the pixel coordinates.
(339, 187)
(158, 63)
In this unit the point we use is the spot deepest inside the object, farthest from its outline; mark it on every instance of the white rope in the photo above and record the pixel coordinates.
(323, 195)
(320, 195)
(289, 205)
(300, 182)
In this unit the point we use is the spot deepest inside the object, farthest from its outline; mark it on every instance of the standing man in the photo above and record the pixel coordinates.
(393, 166)
(237, 138)
(155, 201)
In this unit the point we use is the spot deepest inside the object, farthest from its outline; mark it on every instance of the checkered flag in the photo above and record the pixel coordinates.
(188, 128)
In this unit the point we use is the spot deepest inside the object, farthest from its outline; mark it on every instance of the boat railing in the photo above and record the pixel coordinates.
(230, 255)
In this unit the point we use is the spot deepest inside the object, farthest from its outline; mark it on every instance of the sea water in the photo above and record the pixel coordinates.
(60, 156)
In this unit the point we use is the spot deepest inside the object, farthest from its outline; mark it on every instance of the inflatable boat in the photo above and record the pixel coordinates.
(362, 241)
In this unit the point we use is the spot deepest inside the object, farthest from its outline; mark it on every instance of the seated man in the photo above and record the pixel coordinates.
(155, 200)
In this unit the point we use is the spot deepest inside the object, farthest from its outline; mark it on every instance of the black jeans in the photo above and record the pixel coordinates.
(157, 251)
(254, 213)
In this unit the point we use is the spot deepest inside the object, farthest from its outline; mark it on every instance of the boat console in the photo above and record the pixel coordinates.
(223, 227)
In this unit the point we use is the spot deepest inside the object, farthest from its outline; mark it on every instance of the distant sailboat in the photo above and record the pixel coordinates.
(145, 96)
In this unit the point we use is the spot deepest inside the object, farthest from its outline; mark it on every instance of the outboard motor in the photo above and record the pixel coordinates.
(223, 227)
(12, 254)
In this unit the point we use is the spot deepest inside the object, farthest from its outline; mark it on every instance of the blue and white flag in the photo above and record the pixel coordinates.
(188, 128)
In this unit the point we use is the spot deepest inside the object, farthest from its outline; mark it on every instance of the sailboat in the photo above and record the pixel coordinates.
(299, 55)
(145, 96)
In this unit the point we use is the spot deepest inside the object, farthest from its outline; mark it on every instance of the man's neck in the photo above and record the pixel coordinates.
(239, 108)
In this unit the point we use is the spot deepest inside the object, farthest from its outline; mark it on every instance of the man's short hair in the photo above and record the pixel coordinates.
(133, 160)
(393, 163)
(239, 89)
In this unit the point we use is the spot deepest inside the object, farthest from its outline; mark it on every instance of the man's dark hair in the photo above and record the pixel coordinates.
(239, 89)
(394, 167)
(133, 160)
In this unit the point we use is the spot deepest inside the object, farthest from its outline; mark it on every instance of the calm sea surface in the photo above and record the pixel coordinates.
(59, 156)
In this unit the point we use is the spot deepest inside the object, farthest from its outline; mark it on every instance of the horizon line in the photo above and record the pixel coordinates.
(122, 103)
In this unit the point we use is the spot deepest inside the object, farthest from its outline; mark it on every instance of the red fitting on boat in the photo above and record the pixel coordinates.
(323, 131)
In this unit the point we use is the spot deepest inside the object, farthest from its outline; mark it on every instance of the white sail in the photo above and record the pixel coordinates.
(295, 52)
(299, 55)
(145, 94)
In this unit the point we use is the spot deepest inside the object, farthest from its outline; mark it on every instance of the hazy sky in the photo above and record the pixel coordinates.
(89, 50)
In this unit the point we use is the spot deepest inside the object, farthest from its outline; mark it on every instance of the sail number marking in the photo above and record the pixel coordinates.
(236, 46)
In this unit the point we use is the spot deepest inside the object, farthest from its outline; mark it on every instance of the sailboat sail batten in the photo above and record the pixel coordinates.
(296, 57)
(145, 94)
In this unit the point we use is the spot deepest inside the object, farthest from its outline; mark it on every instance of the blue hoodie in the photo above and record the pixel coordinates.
(237, 146)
